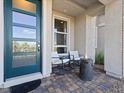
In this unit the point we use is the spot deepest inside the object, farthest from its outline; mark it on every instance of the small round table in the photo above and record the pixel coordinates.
(86, 69)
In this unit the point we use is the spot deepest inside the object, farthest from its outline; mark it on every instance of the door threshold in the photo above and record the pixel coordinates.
(22, 79)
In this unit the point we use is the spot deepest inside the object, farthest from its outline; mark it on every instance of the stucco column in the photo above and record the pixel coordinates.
(90, 37)
(85, 35)
(113, 38)
(47, 39)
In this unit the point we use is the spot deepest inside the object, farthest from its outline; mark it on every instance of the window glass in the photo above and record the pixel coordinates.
(60, 39)
(60, 25)
(21, 32)
(26, 5)
(24, 19)
(60, 49)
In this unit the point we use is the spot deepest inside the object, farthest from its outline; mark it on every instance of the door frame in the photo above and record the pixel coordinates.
(7, 39)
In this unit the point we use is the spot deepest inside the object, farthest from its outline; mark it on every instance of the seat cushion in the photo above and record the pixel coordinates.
(56, 61)
(77, 58)
(65, 60)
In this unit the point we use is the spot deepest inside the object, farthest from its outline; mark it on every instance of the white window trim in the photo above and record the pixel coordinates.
(68, 33)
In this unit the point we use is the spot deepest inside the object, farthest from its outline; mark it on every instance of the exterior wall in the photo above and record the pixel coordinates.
(113, 38)
(72, 27)
(100, 33)
(1, 43)
(80, 34)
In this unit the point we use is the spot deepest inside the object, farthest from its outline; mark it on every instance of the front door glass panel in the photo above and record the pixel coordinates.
(24, 32)
(24, 53)
(26, 5)
(24, 19)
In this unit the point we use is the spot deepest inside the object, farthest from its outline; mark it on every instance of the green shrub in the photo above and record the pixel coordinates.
(99, 59)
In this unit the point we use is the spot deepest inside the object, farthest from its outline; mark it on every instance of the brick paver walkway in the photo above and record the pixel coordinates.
(71, 83)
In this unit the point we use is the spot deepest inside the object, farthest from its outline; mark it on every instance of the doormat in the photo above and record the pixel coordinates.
(26, 87)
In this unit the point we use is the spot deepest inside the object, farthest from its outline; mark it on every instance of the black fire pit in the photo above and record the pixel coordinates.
(86, 69)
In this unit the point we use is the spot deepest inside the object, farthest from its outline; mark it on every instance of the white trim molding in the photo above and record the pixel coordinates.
(1, 42)
(67, 33)
(114, 75)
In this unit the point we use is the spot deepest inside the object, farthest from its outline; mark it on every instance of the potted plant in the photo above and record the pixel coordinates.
(99, 58)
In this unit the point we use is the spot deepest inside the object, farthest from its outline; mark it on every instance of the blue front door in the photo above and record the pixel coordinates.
(22, 37)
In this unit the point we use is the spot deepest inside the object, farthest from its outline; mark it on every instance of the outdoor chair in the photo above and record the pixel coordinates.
(60, 60)
(75, 57)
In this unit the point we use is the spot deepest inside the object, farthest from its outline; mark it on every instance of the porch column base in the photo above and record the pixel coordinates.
(114, 75)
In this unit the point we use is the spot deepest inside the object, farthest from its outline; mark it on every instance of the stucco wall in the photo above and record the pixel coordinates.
(1, 43)
(80, 34)
(113, 38)
(72, 27)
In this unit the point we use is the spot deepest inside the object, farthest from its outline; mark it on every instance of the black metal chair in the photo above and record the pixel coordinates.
(60, 60)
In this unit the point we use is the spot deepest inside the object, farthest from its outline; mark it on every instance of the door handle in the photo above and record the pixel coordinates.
(38, 47)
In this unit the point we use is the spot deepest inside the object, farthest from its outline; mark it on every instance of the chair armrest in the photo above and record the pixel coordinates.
(82, 57)
(64, 57)
(55, 57)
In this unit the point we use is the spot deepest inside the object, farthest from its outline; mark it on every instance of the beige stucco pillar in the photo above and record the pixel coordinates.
(90, 37)
(113, 38)
(85, 35)
(46, 37)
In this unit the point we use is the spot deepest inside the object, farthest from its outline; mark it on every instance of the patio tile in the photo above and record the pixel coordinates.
(71, 83)
(58, 90)
(51, 90)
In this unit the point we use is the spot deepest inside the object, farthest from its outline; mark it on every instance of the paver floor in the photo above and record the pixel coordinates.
(71, 83)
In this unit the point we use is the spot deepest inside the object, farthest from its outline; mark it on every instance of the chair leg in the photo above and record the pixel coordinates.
(63, 65)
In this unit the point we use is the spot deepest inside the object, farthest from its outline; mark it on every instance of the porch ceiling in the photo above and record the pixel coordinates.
(85, 3)
(75, 7)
